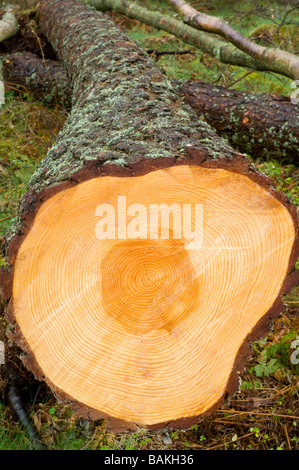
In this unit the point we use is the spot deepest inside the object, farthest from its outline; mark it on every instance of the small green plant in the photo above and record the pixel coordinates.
(145, 441)
(265, 367)
(285, 177)
(256, 431)
(255, 384)
(276, 356)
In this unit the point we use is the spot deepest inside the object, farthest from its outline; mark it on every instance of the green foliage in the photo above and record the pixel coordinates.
(12, 435)
(255, 384)
(260, 21)
(265, 367)
(285, 178)
(27, 130)
(276, 356)
(175, 435)
(256, 431)
(281, 352)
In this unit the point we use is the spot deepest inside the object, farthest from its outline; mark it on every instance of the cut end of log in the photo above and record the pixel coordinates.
(135, 295)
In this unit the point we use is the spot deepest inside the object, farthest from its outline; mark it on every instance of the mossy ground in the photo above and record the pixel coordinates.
(265, 412)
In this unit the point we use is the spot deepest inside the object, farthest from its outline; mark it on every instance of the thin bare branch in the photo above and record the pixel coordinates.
(288, 62)
(287, 65)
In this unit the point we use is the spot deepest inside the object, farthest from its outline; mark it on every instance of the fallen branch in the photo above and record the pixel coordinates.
(286, 63)
(281, 62)
(159, 53)
(44, 80)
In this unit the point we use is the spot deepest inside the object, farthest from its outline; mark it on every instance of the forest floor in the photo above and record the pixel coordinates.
(264, 414)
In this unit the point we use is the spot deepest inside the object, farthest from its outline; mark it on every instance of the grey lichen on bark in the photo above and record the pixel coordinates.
(123, 106)
(264, 126)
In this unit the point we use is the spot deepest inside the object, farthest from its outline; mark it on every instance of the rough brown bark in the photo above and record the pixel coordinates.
(127, 122)
(266, 126)
(44, 80)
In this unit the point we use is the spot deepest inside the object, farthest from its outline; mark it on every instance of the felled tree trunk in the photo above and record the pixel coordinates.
(147, 252)
(266, 126)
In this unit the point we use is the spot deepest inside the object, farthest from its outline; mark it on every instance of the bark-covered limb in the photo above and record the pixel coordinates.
(44, 80)
(262, 125)
(265, 126)
(287, 63)
(226, 53)
(8, 25)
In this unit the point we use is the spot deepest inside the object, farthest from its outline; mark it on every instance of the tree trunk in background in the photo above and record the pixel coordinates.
(264, 126)
(126, 313)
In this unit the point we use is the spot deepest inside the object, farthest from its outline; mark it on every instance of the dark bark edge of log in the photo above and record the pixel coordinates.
(194, 154)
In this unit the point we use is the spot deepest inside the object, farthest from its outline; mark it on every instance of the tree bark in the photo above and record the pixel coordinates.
(262, 125)
(135, 320)
(44, 80)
